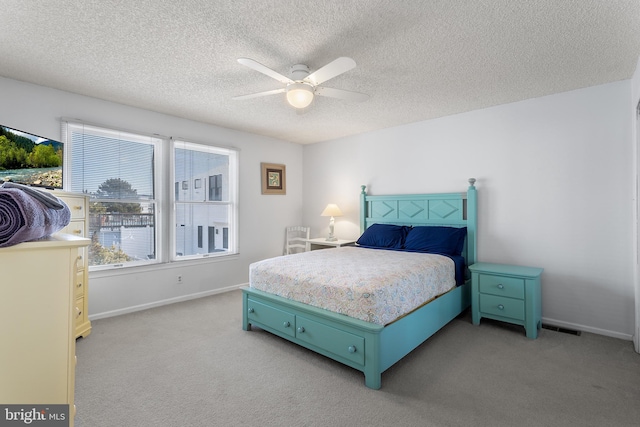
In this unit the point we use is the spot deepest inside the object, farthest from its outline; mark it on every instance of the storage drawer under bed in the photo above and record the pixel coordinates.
(314, 333)
(279, 320)
(340, 343)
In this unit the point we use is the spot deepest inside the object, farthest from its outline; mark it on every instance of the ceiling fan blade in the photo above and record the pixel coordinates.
(259, 94)
(341, 94)
(329, 71)
(264, 70)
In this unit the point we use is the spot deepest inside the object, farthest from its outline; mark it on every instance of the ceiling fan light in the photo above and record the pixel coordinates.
(299, 95)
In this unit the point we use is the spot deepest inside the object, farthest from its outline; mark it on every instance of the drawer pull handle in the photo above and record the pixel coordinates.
(301, 330)
(251, 310)
(352, 349)
(286, 324)
(500, 286)
(500, 307)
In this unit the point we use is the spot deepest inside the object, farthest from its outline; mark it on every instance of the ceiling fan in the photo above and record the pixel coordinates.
(302, 87)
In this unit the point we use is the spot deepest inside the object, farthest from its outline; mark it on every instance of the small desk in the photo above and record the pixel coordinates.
(322, 241)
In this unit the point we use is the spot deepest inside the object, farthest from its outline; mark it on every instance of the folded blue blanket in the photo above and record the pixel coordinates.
(29, 214)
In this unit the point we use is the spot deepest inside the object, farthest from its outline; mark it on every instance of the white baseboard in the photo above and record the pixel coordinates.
(583, 328)
(160, 303)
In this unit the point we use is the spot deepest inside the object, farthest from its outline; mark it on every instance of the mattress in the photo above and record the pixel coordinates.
(374, 285)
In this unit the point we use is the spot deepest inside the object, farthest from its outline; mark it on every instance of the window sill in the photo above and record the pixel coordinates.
(116, 271)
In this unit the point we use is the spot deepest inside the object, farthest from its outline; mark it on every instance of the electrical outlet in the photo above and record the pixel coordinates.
(179, 279)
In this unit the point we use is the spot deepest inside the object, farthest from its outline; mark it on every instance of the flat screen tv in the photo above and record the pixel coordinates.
(30, 159)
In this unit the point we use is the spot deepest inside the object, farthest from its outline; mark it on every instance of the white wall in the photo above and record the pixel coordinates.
(263, 219)
(555, 190)
(635, 129)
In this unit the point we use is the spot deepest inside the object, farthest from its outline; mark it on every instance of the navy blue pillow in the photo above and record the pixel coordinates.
(436, 239)
(383, 236)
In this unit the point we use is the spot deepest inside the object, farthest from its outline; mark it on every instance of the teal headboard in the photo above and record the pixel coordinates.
(448, 209)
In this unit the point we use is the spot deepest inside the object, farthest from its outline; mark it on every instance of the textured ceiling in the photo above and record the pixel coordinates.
(417, 59)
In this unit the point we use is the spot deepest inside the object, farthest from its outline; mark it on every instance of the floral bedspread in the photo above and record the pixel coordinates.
(373, 285)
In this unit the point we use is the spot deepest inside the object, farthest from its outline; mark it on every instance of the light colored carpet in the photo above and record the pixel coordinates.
(191, 364)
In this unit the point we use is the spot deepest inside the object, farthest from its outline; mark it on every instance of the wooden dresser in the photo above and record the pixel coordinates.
(37, 321)
(79, 226)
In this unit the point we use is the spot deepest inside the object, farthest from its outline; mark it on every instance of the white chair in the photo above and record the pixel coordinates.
(297, 240)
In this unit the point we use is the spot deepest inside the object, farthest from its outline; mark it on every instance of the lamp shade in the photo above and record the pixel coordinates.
(299, 95)
(331, 210)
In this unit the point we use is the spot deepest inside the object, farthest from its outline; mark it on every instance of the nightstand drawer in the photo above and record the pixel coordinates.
(511, 287)
(501, 306)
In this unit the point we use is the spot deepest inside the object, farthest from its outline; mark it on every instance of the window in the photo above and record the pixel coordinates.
(211, 235)
(125, 177)
(212, 204)
(117, 169)
(215, 187)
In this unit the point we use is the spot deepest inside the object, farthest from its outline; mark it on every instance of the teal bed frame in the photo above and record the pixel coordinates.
(364, 346)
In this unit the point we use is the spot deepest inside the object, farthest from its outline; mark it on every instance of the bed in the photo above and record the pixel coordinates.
(368, 342)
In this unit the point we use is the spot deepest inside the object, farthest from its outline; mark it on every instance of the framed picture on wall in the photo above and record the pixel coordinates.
(274, 178)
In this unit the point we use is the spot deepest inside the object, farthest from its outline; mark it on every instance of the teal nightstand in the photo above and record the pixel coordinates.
(507, 293)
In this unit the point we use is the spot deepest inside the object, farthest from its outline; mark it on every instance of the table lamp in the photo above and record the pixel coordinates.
(332, 211)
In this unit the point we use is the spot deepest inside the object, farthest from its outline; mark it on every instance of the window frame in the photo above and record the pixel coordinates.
(233, 176)
(69, 127)
(165, 194)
